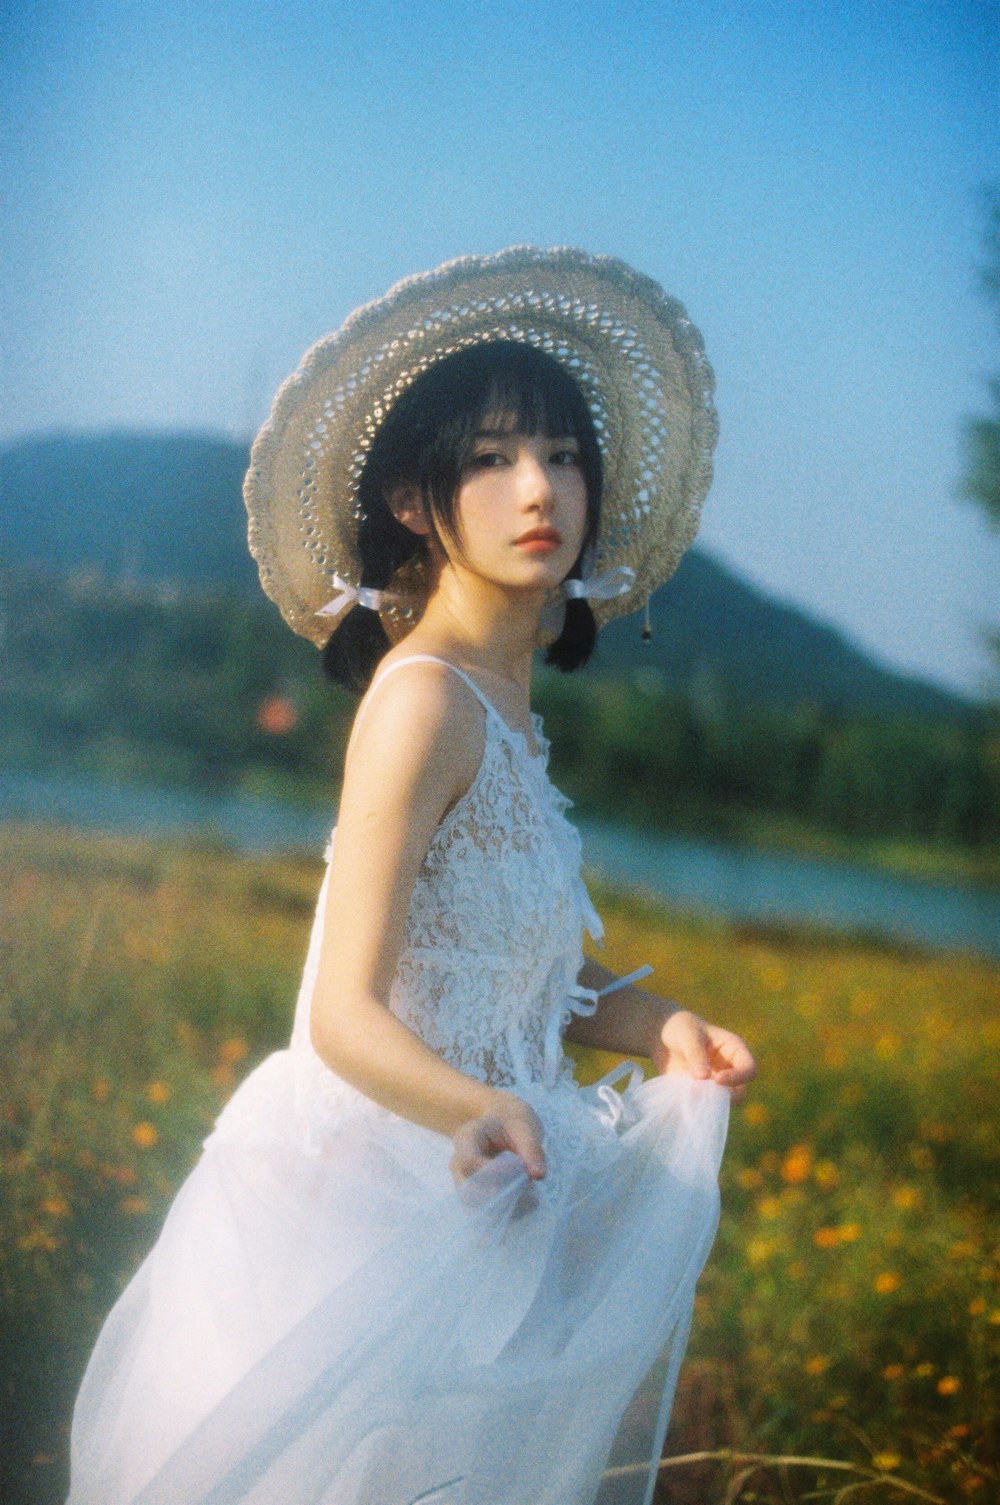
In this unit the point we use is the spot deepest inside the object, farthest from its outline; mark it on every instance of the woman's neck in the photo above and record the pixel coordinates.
(483, 626)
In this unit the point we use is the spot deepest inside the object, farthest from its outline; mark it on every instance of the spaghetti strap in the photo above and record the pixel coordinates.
(428, 658)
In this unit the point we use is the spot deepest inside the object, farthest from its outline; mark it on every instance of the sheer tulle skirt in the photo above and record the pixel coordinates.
(343, 1328)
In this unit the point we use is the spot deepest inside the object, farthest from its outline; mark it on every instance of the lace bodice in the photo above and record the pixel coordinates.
(492, 944)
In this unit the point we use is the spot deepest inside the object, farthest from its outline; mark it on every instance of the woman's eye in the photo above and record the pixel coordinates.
(487, 459)
(565, 457)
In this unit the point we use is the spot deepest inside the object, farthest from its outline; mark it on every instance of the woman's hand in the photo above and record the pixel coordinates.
(512, 1125)
(687, 1043)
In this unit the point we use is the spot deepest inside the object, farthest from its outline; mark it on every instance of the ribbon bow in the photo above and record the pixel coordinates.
(582, 1001)
(603, 587)
(374, 600)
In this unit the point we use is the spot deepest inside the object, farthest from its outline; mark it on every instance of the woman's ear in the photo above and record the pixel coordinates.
(406, 504)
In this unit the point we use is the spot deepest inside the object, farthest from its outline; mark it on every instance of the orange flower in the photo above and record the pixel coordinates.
(755, 1114)
(277, 716)
(133, 1206)
(145, 1135)
(826, 1238)
(819, 1364)
(893, 1372)
(159, 1092)
(101, 1090)
(56, 1207)
(949, 1384)
(797, 1164)
(888, 1282)
(886, 1462)
(233, 1050)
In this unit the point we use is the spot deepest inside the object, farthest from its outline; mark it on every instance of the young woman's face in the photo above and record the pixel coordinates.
(521, 507)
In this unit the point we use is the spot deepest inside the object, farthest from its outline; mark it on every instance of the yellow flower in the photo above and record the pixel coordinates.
(886, 1462)
(760, 1249)
(923, 1370)
(797, 1164)
(849, 1233)
(819, 1364)
(826, 1175)
(749, 1178)
(133, 1206)
(769, 1207)
(145, 1135)
(887, 1282)
(826, 1238)
(234, 1050)
(906, 1198)
(994, 1317)
(893, 1372)
(159, 1092)
(949, 1384)
(887, 1045)
(755, 1114)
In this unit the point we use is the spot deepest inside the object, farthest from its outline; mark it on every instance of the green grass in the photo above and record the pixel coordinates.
(849, 1310)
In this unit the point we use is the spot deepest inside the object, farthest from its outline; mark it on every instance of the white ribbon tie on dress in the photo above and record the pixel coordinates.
(583, 1002)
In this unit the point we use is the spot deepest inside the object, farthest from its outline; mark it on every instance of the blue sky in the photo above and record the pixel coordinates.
(196, 192)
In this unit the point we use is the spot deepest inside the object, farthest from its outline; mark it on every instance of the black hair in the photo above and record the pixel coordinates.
(425, 441)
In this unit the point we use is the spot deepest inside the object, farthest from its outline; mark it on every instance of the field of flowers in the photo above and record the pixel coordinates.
(850, 1309)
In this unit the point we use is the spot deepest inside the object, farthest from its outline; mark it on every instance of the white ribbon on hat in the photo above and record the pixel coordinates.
(364, 595)
(603, 587)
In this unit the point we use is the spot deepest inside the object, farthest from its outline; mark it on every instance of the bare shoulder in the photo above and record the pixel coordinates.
(418, 724)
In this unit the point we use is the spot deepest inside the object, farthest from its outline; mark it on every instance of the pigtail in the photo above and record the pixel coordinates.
(575, 644)
(360, 642)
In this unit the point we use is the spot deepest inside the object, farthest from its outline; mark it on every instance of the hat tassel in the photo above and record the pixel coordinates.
(647, 631)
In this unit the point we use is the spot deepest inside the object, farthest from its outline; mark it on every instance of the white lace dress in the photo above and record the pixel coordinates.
(325, 1319)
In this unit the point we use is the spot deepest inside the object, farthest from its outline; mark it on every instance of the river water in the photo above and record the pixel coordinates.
(734, 882)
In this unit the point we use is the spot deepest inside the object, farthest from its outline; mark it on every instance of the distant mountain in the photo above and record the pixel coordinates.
(169, 507)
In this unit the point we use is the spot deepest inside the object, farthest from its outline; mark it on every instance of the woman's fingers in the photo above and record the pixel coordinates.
(515, 1128)
(689, 1044)
(733, 1062)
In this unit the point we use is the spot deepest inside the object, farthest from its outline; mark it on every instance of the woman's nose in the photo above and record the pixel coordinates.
(535, 483)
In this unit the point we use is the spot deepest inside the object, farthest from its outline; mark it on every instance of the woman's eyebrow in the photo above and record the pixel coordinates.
(513, 433)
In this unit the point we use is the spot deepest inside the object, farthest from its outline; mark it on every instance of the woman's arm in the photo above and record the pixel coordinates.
(634, 1021)
(413, 754)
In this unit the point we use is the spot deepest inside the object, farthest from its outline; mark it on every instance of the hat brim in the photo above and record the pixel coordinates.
(638, 358)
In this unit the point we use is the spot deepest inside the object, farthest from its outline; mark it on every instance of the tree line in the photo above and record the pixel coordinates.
(211, 688)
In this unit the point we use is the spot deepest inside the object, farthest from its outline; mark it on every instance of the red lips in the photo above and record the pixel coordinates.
(541, 537)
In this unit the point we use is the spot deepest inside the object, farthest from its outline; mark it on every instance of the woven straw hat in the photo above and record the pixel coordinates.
(637, 357)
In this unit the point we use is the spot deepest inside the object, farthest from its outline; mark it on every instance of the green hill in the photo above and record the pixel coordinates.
(168, 508)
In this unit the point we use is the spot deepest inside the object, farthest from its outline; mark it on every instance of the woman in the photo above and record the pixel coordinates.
(469, 462)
